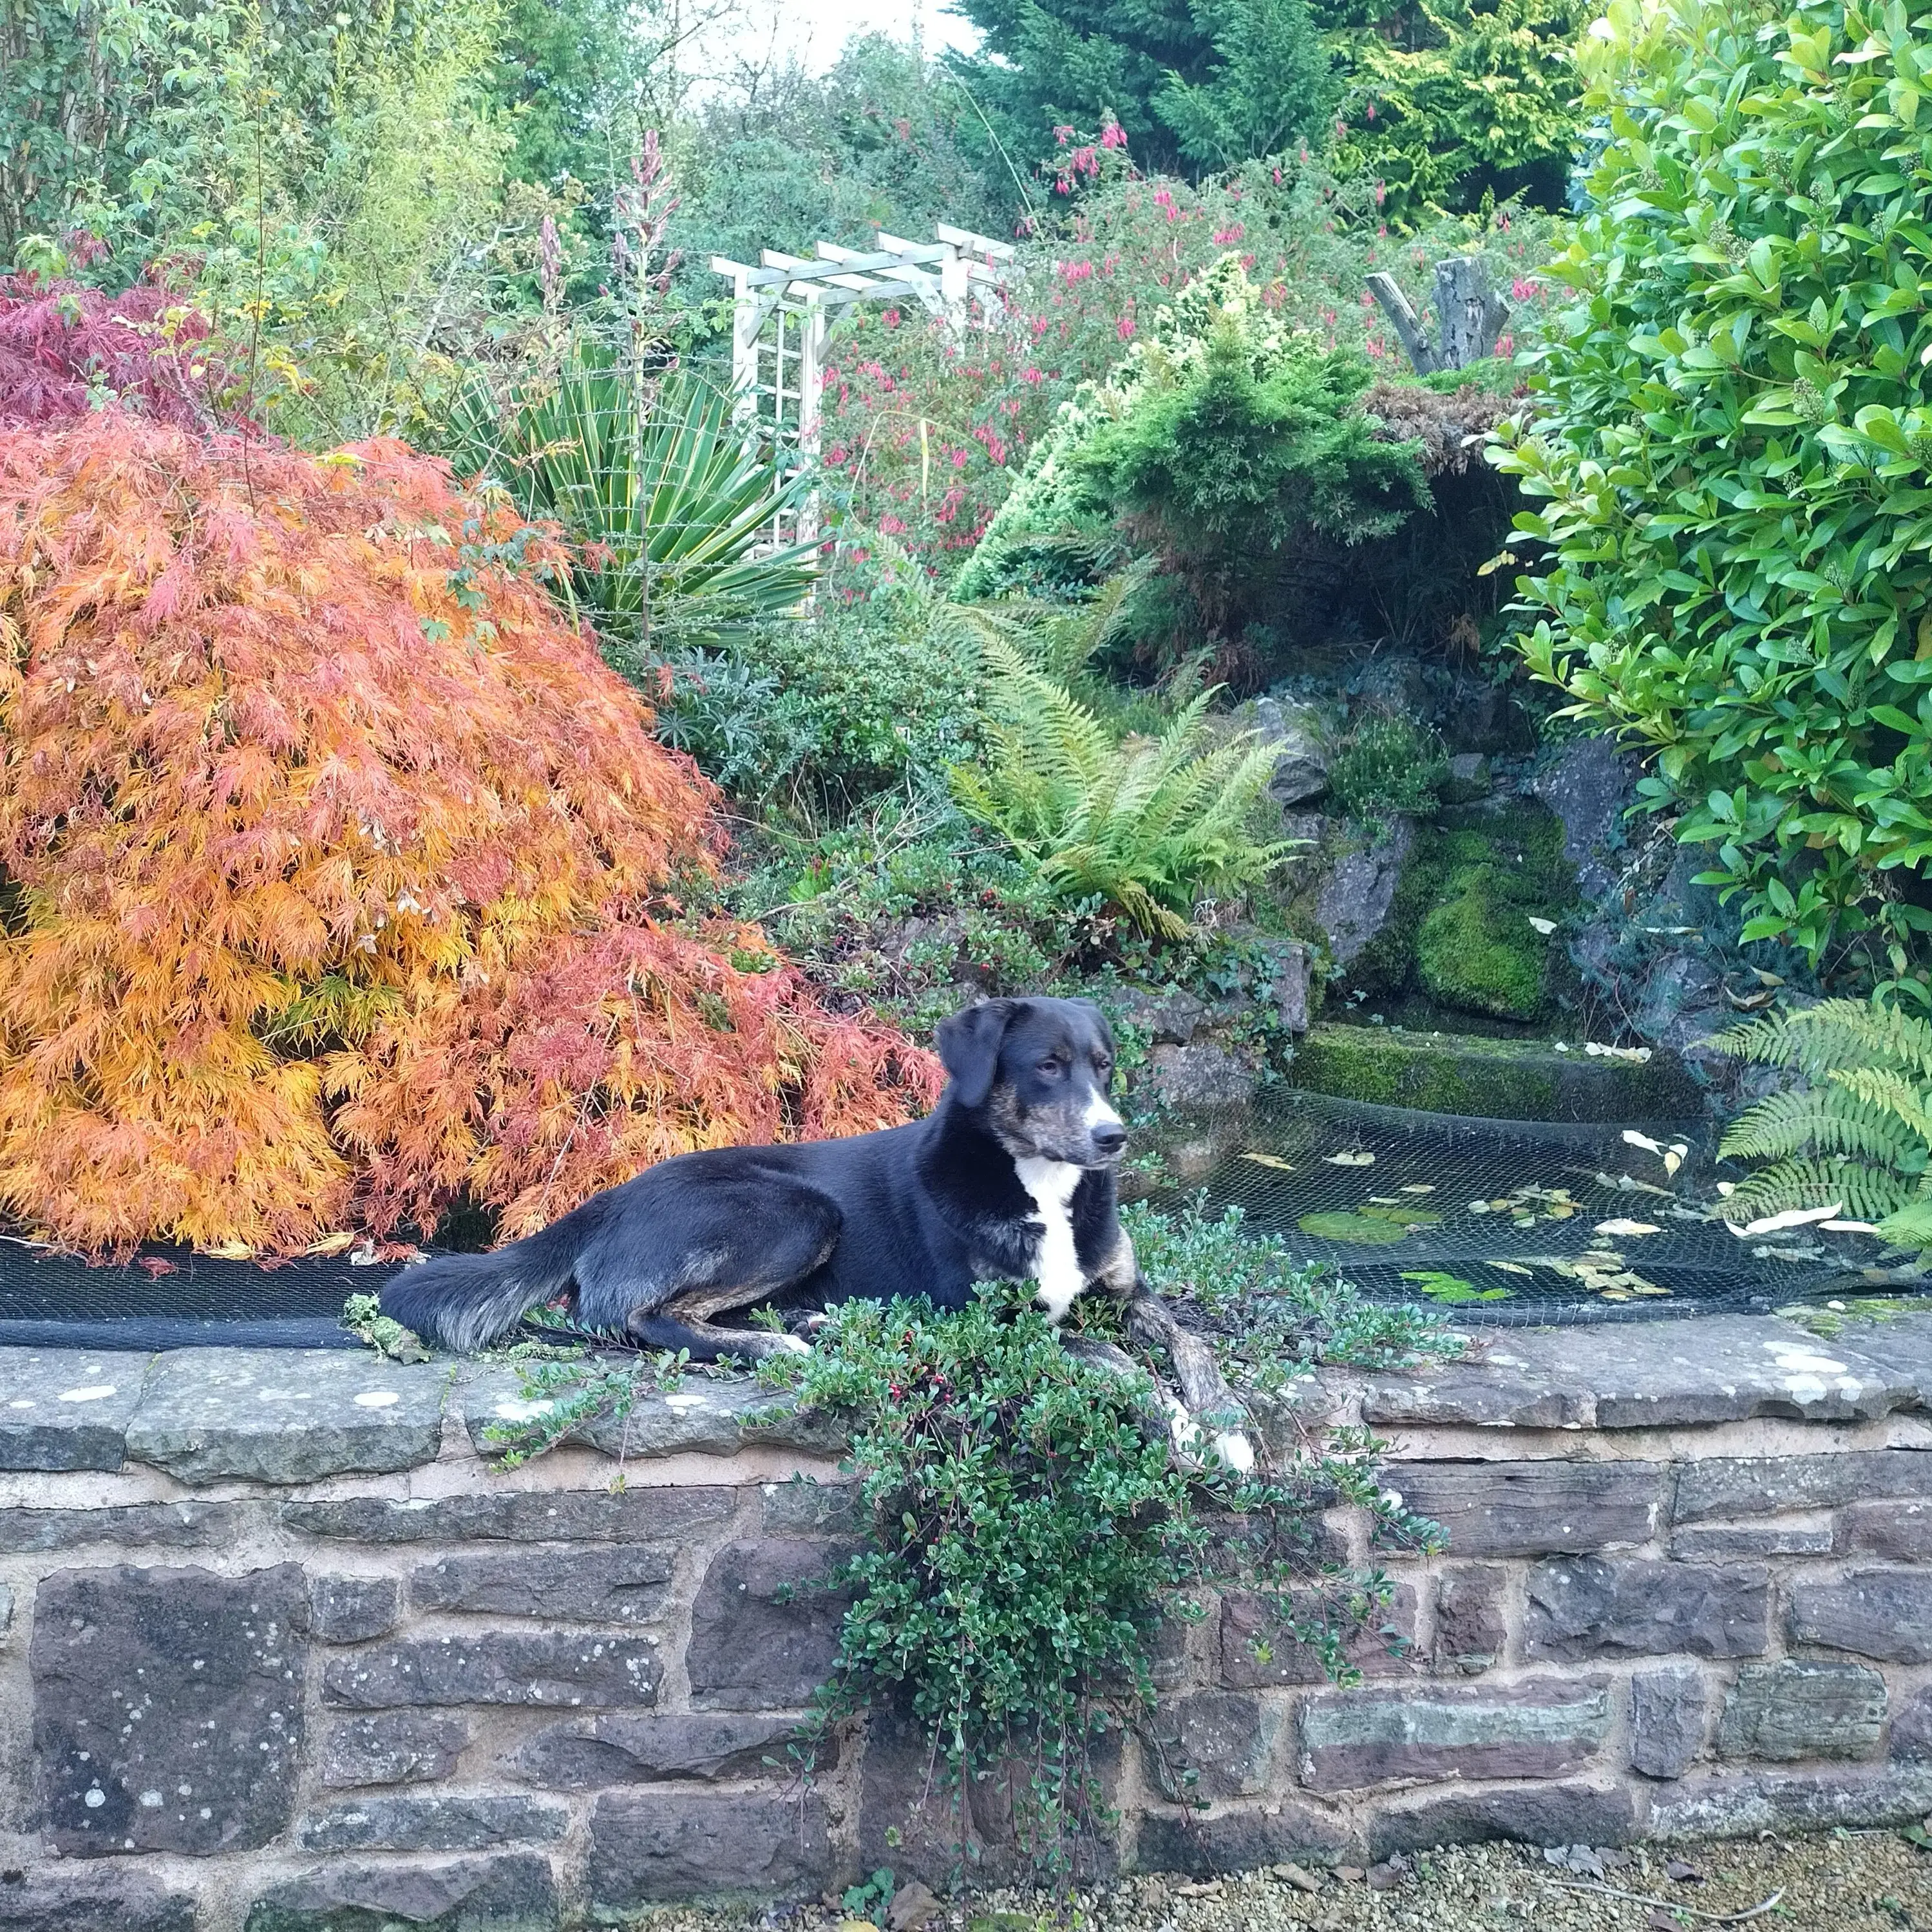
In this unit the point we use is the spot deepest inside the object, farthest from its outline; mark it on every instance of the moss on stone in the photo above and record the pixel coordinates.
(1459, 930)
(1491, 1079)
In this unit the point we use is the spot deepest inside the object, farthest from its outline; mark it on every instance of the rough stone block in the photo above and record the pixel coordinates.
(1531, 1814)
(352, 1609)
(1533, 1509)
(1234, 1841)
(1741, 1803)
(124, 1526)
(1718, 1487)
(530, 1516)
(1884, 1614)
(513, 1893)
(392, 1747)
(703, 1416)
(1900, 1532)
(1729, 1542)
(1351, 1740)
(650, 1848)
(1668, 1716)
(96, 1900)
(280, 1415)
(1471, 1625)
(800, 1507)
(1911, 1728)
(497, 1667)
(1585, 1606)
(1256, 1651)
(616, 1586)
(1479, 1395)
(1648, 1374)
(1226, 1739)
(441, 1821)
(624, 1748)
(66, 1410)
(168, 1707)
(1794, 1709)
(764, 1629)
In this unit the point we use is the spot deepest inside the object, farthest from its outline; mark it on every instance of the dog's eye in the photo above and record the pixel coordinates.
(1050, 1069)
(1103, 1067)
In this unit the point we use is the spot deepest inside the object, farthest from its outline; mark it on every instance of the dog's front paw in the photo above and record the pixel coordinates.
(1236, 1451)
(1183, 1430)
(793, 1345)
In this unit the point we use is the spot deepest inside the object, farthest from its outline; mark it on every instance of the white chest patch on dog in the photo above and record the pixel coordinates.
(1055, 1267)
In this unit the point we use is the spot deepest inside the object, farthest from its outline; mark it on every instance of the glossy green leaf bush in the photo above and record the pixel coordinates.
(1733, 439)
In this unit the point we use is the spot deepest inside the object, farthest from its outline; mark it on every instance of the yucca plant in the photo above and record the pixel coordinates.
(1858, 1134)
(671, 509)
(1151, 823)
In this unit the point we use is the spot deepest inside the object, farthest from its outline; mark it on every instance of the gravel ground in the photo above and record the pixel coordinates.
(1842, 1882)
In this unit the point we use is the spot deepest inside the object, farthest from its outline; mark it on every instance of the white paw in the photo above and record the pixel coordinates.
(1183, 1428)
(797, 1344)
(1235, 1449)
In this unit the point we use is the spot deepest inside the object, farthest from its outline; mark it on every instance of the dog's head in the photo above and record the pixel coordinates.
(1037, 1072)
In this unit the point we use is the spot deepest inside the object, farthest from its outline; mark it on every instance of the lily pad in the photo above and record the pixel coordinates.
(1334, 1226)
(1452, 1288)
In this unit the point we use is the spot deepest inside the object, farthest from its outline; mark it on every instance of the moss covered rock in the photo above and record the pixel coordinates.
(1461, 930)
(1492, 1079)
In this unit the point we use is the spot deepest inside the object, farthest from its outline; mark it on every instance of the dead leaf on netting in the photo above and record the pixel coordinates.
(1545, 926)
(229, 1251)
(1626, 1184)
(1509, 1267)
(1351, 1157)
(1273, 1160)
(1420, 1187)
(1794, 1217)
(1628, 1228)
(339, 1243)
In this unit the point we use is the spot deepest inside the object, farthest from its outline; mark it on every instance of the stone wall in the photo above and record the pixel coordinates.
(283, 1650)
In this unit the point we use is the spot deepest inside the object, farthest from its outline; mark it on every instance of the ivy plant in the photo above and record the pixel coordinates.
(1731, 435)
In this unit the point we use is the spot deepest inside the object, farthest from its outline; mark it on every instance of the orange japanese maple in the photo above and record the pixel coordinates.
(335, 861)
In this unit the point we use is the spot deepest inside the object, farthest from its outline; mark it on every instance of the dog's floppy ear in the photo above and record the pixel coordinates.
(969, 1047)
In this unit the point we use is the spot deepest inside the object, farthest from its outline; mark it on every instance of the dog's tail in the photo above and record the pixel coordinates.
(463, 1302)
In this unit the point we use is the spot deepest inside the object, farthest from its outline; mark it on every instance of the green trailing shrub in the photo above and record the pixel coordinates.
(1731, 430)
(1027, 1528)
(1857, 1134)
(1151, 824)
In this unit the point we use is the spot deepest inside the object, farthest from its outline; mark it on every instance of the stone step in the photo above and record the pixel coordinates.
(1491, 1079)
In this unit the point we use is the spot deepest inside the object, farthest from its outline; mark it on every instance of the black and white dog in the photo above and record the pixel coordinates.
(1010, 1178)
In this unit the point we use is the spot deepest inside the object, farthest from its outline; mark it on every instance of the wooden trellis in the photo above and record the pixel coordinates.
(783, 312)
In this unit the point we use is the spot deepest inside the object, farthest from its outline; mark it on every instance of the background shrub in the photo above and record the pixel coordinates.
(1732, 430)
(338, 867)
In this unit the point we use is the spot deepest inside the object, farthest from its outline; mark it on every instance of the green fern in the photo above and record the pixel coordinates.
(1858, 1132)
(1151, 823)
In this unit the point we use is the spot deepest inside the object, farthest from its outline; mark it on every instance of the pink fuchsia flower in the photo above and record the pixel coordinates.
(1113, 135)
(1124, 328)
(1232, 232)
(1525, 290)
(893, 525)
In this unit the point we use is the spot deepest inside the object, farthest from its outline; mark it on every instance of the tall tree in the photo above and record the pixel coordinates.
(1197, 85)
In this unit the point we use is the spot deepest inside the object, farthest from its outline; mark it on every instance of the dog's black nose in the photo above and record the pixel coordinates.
(1109, 1139)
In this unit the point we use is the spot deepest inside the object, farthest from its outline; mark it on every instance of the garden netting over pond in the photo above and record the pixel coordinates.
(1500, 1221)
(1510, 1221)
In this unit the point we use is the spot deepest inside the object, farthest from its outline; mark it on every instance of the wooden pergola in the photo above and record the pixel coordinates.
(783, 312)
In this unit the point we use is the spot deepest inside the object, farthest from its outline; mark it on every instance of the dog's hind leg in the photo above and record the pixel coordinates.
(732, 1246)
(1152, 1322)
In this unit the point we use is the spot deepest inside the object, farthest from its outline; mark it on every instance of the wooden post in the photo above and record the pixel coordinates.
(1469, 316)
(812, 330)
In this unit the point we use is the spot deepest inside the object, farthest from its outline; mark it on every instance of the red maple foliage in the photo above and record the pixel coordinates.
(63, 348)
(337, 865)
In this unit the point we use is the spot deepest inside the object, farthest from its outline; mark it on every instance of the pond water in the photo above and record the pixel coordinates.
(1513, 1221)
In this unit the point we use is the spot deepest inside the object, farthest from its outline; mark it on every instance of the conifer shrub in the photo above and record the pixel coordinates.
(340, 874)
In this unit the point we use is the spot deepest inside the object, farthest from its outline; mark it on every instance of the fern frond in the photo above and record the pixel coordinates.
(1827, 1120)
(1866, 1193)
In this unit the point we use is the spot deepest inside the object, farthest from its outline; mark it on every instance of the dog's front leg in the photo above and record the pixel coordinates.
(1151, 1322)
